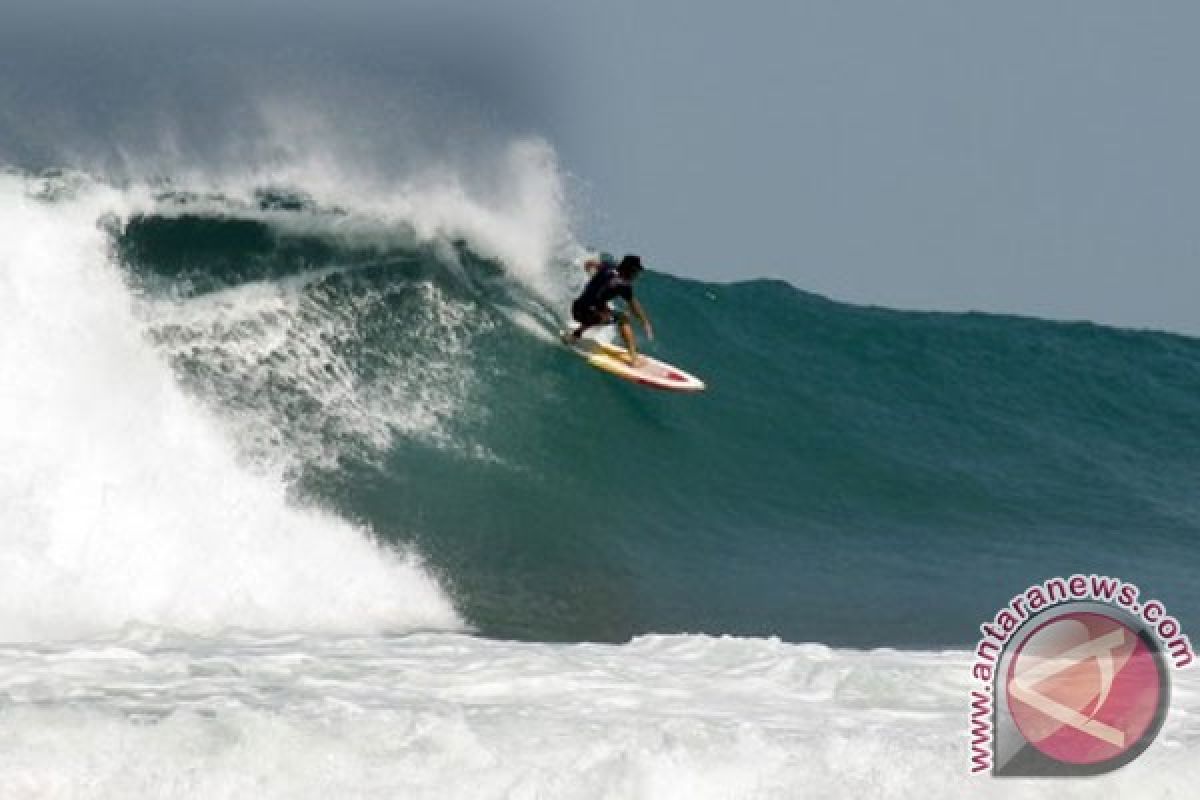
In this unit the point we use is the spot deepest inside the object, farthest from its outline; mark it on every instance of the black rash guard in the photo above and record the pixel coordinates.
(605, 285)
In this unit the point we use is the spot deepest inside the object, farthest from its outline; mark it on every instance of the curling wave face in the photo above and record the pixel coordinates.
(398, 369)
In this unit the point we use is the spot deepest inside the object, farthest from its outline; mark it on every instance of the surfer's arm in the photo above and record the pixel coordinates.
(640, 313)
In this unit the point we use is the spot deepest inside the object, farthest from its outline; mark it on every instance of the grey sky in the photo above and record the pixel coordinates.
(1032, 157)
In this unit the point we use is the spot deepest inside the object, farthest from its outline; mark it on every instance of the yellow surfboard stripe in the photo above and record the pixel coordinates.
(652, 372)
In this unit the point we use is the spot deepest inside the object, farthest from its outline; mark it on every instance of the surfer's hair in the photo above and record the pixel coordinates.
(630, 266)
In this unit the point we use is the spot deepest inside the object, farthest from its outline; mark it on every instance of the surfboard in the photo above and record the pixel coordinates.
(648, 372)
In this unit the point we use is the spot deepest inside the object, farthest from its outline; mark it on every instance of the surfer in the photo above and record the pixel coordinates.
(610, 281)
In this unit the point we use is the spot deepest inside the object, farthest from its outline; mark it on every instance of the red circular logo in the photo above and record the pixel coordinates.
(1084, 688)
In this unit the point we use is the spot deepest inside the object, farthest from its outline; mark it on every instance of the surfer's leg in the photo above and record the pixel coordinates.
(583, 326)
(627, 335)
(589, 318)
(584, 316)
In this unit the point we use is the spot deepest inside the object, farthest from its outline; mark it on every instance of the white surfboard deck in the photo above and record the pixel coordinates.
(648, 371)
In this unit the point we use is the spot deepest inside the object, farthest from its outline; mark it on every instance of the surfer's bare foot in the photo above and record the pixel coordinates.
(633, 359)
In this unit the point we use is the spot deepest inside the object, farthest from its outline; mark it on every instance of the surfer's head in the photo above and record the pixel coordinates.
(630, 267)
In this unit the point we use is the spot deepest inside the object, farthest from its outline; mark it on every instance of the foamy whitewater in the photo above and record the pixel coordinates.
(146, 713)
(180, 618)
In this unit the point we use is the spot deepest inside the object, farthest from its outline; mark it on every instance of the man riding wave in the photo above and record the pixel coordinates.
(610, 281)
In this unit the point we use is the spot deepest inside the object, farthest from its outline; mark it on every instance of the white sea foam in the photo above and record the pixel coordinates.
(277, 358)
(148, 714)
(121, 499)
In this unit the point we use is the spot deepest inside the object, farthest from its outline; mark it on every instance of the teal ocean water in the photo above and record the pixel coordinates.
(302, 497)
(855, 476)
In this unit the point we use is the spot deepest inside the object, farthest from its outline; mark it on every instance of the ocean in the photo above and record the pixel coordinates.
(301, 497)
